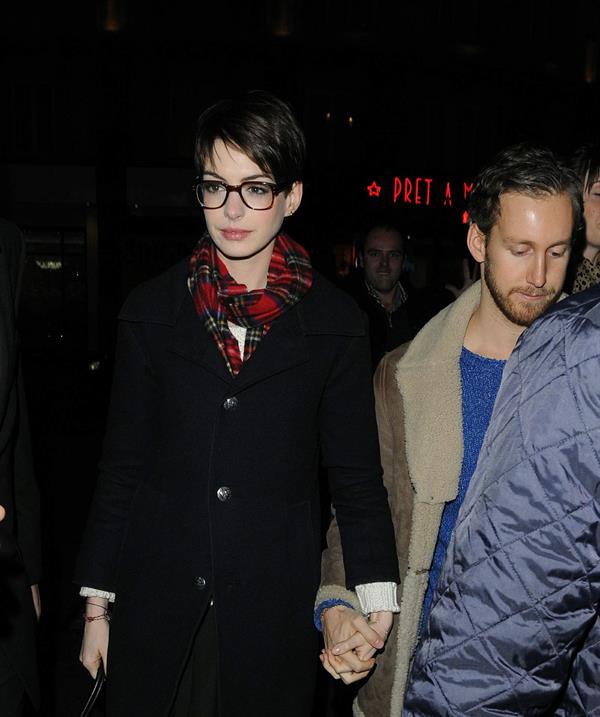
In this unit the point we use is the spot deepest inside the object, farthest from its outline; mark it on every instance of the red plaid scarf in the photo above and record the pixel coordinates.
(219, 299)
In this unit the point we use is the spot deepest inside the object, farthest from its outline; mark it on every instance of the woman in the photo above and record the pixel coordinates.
(586, 162)
(234, 371)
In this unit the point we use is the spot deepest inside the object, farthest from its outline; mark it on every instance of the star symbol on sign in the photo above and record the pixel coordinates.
(374, 189)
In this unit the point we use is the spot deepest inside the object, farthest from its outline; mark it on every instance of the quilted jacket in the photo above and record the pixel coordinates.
(514, 629)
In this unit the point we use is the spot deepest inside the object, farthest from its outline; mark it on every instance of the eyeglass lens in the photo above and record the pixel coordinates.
(255, 195)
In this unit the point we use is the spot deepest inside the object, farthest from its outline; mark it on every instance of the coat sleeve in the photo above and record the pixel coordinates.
(27, 498)
(362, 548)
(128, 438)
(333, 581)
(516, 605)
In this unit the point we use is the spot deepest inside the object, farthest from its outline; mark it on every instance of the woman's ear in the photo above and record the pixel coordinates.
(293, 198)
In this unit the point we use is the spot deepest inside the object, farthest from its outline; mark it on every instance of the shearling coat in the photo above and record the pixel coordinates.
(209, 488)
(20, 559)
(419, 416)
(515, 625)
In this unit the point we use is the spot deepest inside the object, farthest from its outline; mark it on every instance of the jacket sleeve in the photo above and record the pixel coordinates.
(361, 547)
(517, 599)
(127, 440)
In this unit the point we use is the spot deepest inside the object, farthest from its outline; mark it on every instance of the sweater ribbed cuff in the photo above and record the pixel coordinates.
(375, 597)
(92, 592)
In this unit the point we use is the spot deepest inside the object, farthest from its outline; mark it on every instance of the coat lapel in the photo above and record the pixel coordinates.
(428, 377)
(191, 341)
(283, 347)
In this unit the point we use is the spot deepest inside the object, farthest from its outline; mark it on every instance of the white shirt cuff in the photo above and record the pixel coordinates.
(92, 592)
(375, 597)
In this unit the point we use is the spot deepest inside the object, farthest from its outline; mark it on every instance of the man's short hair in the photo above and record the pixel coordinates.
(383, 223)
(521, 169)
(261, 126)
(586, 163)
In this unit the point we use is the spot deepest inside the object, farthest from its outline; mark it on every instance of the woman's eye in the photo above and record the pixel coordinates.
(213, 187)
(257, 189)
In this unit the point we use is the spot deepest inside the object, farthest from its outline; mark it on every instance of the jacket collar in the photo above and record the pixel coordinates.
(428, 377)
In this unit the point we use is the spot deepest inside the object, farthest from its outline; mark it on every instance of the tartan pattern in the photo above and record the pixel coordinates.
(219, 299)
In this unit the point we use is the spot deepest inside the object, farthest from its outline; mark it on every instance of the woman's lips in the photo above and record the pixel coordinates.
(235, 234)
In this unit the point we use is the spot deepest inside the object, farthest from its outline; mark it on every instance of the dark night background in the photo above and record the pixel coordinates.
(99, 101)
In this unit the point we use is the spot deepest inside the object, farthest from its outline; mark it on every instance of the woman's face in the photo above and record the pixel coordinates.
(591, 214)
(237, 231)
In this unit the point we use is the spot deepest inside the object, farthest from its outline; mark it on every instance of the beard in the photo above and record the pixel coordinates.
(521, 313)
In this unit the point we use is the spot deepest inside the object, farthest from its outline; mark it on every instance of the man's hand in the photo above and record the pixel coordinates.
(351, 641)
(2, 513)
(37, 602)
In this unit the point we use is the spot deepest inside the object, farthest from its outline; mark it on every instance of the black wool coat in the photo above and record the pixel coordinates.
(209, 489)
(20, 553)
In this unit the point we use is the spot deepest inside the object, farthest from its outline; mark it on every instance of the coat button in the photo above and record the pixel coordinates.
(224, 493)
(200, 582)
(231, 403)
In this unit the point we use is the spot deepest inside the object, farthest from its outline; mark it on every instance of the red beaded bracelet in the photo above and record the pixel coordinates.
(91, 618)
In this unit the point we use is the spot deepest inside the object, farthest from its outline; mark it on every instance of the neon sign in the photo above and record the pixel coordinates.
(424, 191)
(374, 189)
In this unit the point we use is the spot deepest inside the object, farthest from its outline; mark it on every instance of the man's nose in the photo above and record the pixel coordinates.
(537, 271)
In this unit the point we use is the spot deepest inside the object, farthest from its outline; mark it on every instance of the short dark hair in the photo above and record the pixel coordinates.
(261, 126)
(586, 163)
(382, 223)
(521, 169)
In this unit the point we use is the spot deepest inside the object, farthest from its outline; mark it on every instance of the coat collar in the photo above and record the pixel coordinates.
(283, 347)
(166, 300)
(428, 377)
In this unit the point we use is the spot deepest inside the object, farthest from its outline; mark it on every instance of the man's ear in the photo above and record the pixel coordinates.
(293, 198)
(476, 243)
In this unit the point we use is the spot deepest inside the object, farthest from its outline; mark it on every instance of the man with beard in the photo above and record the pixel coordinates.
(435, 398)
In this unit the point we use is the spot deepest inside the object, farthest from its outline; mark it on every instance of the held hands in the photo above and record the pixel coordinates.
(351, 641)
(94, 646)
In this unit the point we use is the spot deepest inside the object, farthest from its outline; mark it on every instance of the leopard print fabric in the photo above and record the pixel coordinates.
(588, 274)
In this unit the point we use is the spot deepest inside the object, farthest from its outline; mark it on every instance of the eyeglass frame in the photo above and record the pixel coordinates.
(275, 190)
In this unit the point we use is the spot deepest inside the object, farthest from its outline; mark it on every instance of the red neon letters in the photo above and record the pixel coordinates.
(422, 191)
(413, 191)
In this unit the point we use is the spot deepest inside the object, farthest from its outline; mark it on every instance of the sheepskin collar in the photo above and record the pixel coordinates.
(428, 376)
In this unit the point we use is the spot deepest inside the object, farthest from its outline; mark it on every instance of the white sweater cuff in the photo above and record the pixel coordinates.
(374, 597)
(92, 592)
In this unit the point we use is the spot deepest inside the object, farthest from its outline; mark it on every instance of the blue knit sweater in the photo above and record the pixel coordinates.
(480, 381)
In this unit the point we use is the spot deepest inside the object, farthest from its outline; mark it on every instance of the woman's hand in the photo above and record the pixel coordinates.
(350, 643)
(94, 646)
